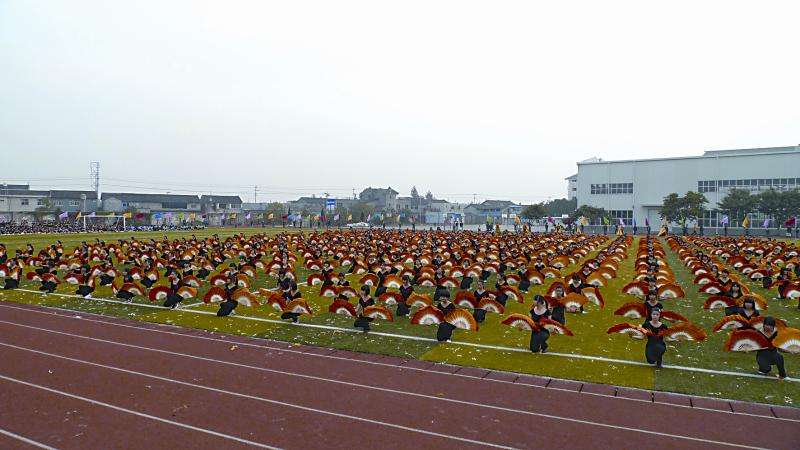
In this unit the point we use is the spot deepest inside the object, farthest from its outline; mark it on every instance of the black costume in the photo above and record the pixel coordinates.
(768, 357)
(363, 321)
(539, 338)
(655, 348)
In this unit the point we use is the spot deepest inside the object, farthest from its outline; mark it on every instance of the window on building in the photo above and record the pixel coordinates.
(710, 219)
(599, 189)
(23, 202)
(59, 202)
(625, 215)
(621, 188)
(39, 202)
(73, 203)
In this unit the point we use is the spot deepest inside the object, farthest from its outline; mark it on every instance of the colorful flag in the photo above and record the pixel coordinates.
(92, 214)
(78, 216)
(790, 222)
(139, 216)
(549, 219)
(232, 216)
(724, 220)
(63, 215)
(192, 216)
(248, 216)
(349, 217)
(746, 222)
(369, 217)
(606, 221)
(621, 222)
(336, 218)
(127, 215)
(270, 216)
(157, 216)
(766, 223)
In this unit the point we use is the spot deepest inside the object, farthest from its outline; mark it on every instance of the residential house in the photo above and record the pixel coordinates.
(160, 208)
(18, 203)
(477, 213)
(222, 209)
(381, 199)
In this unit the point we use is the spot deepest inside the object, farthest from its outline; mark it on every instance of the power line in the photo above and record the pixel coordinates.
(94, 174)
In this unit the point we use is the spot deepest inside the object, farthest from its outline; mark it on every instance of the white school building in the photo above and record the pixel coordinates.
(635, 189)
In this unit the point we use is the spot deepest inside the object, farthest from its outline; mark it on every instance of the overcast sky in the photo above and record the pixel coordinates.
(497, 99)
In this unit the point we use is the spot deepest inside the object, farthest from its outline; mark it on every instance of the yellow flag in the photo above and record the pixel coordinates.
(78, 216)
(192, 216)
(127, 215)
(349, 217)
(746, 222)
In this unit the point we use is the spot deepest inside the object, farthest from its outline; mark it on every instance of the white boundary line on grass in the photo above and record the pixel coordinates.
(26, 440)
(236, 339)
(372, 421)
(424, 339)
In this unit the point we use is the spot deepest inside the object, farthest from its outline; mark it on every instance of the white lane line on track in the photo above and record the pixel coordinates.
(392, 391)
(235, 339)
(235, 394)
(424, 339)
(136, 413)
(26, 440)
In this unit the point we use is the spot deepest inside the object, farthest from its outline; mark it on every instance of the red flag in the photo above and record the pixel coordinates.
(790, 222)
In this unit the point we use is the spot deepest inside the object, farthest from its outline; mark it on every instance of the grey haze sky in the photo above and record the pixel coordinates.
(498, 99)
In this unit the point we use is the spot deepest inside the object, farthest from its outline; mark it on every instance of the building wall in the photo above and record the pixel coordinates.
(655, 179)
(572, 188)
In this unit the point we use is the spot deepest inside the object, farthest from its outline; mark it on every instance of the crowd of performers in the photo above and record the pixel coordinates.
(452, 280)
(71, 227)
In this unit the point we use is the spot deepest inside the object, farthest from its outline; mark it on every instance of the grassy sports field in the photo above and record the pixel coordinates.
(591, 355)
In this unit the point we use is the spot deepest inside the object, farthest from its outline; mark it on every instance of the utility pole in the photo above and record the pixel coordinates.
(474, 198)
(94, 176)
(255, 194)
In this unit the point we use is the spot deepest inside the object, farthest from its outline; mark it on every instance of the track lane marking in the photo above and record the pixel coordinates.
(226, 392)
(236, 339)
(26, 440)
(349, 384)
(136, 413)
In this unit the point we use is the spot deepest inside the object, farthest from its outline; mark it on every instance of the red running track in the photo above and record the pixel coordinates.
(76, 380)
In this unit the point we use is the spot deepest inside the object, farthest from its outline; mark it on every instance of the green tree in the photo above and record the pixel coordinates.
(737, 203)
(414, 192)
(773, 203)
(671, 207)
(561, 206)
(590, 212)
(535, 211)
(693, 205)
(679, 209)
(792, 201)
(361, 210)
